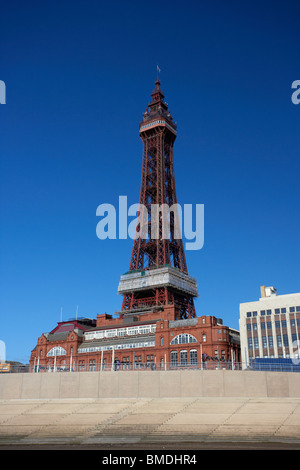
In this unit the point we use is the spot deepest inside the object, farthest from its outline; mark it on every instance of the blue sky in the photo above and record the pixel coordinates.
(78, 77)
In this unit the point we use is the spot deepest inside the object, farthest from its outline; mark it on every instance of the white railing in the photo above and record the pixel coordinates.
(151, 366)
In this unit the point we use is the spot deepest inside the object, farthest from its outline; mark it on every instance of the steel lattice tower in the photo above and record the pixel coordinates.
(158, 273)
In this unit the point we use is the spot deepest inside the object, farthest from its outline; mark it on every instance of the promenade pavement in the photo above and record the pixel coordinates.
(149, 422)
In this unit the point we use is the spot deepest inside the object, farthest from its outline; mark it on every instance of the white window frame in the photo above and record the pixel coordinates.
(183, 338)
(56, 351)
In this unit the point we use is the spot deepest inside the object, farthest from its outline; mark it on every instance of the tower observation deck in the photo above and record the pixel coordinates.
(158, 273)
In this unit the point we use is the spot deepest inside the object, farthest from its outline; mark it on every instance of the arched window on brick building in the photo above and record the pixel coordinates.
(174, 358)
(183, 339)
(57, 351)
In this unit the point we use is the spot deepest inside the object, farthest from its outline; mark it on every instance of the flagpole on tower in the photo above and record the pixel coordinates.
(157, 70)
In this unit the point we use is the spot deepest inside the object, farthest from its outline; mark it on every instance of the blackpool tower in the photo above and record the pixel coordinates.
(158, 279)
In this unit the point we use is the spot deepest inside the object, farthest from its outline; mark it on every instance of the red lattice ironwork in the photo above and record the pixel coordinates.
(153, 248)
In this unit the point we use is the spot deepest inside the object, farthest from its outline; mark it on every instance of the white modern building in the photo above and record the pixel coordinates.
(270, 326)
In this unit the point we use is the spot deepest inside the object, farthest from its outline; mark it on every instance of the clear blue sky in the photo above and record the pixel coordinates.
(79, 76)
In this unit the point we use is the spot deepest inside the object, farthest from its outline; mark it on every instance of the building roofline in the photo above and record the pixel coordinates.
(123, 325)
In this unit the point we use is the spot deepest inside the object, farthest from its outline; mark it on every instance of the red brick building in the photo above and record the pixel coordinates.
(153, 340)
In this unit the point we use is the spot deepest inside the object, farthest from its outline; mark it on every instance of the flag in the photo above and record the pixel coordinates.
(158, 69)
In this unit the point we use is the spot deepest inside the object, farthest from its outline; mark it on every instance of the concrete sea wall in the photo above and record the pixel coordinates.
(138, 384)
